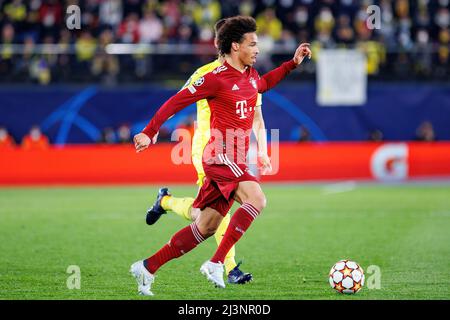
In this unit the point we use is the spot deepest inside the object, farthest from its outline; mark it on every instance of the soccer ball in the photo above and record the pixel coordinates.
(346, 276)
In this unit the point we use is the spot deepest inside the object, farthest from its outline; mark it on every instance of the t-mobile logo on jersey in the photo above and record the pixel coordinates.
(241, 109)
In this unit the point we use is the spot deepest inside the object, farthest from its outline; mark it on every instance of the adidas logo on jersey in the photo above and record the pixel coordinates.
(235, 87)
(219, 69)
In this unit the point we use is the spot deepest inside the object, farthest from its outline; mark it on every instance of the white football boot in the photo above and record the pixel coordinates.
(214, 273)
(143, 278)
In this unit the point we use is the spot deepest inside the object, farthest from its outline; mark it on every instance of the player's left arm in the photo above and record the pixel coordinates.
(259, 130)
(271, 79)
(203, 88)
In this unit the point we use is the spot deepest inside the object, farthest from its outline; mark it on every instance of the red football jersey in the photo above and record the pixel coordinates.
(231, 96)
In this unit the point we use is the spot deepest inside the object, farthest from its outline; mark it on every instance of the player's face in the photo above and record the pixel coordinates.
(248, 49)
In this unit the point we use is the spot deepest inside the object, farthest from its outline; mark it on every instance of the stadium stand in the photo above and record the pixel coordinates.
(413, 43)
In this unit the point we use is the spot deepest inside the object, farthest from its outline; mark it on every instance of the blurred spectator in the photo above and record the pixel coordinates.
(425, 132)
(304, 134)
(374, 51)
(206, 38)
(90, 15)
(442, 18)
(287, 41)
(442, 69)
(108, 136)
(110, 13)
(376, 136)
(269, 24)
(50, 59)
(23, 65)
(151, 5)
(16, 12)
(35, 140)
(128, 31)
(300, 19)
(33, 17)
(344, 31)
(64, 60)
(323, 27)
(170, 12)
(324, 22)
(387, 32)
(6, 140)
(85, 47)
(51, 16)
(40, 70)
(103, 63)
(301, 134)
(206, 12)
(6, 54)
(124, 134)
(423, 53)
(150, 28)
(246, 8)
(185, 34)
(265, 44)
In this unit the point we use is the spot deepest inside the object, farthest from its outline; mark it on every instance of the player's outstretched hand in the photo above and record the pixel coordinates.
(142, 141)
(302, 51)
(264, 165)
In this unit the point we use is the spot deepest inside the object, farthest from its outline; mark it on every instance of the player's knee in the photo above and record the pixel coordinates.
(259, 201)
(207, 231)
(207, 228)
(194, 213)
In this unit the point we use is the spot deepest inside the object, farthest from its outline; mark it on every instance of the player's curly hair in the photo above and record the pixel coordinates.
(219, 25)
(233, 30)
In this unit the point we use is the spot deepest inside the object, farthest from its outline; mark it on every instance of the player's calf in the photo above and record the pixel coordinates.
(208, 221)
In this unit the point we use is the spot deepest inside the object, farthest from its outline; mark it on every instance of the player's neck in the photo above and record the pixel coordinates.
(236, 63)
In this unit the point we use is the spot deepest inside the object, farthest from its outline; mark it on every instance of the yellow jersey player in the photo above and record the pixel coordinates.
(183, 206)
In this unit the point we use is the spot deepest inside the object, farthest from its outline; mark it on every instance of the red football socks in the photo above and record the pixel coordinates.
(240, 222)
(182, 242)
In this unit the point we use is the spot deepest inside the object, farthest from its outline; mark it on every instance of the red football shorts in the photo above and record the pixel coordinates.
(219, 185)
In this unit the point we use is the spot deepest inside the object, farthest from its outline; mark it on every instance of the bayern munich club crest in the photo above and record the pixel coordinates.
(253, 82)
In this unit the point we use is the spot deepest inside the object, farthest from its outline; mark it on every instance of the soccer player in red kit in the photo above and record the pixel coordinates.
(231, 90)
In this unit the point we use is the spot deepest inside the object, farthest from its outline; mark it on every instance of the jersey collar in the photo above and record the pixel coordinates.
(247, 68)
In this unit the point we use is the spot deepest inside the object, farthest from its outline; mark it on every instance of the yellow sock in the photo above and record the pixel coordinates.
(181, 206)
(229, 262)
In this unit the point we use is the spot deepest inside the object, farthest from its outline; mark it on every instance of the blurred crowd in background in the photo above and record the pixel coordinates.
(412, 43)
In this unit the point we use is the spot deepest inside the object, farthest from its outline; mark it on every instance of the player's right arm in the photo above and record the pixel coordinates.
(204, 87)
(272, 78)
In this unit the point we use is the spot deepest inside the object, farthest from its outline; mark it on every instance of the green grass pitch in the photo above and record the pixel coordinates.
(290, 248)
